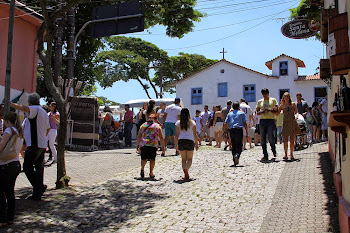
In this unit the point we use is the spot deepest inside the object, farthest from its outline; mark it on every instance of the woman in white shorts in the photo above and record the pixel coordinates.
(217, 126)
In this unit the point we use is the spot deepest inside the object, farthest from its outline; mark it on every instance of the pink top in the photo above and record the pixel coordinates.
(52, 121)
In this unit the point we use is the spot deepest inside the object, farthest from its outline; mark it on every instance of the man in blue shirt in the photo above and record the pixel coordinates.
(236, 120)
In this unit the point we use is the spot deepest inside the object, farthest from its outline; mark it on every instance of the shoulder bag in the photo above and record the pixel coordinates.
(9, 152)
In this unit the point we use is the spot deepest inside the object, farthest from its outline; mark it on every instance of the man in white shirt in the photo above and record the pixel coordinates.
(171, 115)
(324, 109)
(36, 129)
(249, 118)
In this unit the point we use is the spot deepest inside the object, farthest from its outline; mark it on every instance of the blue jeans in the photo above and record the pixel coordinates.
(127, 133)
(267, 128)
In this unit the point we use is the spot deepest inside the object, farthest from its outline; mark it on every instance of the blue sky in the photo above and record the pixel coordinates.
(248, 30)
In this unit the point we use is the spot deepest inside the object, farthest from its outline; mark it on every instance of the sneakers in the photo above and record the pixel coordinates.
(235, 160)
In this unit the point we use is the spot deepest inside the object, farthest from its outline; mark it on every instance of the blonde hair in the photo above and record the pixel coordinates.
(283, 100)
(14, 119)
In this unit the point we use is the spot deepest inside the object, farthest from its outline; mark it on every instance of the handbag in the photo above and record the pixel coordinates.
(9, 152)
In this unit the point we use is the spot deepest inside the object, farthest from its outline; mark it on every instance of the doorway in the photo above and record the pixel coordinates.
(281, 92)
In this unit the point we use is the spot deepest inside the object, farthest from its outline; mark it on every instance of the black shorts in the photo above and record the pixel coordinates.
(185, 144)
(317, 124)
(257, 129)
(148, 153)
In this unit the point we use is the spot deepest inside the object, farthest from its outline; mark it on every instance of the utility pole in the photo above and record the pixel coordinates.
(9, 57)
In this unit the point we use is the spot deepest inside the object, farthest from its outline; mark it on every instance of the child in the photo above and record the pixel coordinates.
(199, 124)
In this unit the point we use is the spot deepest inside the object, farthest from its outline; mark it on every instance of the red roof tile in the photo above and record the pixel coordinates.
(299, 62)
(308, 77)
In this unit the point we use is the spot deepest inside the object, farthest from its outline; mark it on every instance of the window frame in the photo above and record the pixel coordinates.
(197, 95)
(244, 92)
(279, 68)
(226, 92)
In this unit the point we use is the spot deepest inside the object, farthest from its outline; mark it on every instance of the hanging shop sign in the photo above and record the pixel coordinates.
(300, 28)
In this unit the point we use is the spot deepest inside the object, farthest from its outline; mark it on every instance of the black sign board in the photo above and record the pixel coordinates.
(300, 28)
(118, 19)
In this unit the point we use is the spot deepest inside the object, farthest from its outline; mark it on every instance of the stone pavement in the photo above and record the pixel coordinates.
(87, 168)
(253, 197)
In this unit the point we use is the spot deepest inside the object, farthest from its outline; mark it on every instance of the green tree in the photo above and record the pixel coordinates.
(177, 16)
(307, 10)
(181, 67)
(129, 58)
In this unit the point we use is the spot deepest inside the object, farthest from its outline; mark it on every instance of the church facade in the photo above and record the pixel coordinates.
(225, 80)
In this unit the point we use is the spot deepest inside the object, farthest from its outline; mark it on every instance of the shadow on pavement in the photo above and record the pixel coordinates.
(237, 166)
(148, 179)
(181, 181)
(84, 209)
(332, 204)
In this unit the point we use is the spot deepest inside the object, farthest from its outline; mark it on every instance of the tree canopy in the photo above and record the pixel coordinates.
(181, 67)
(131, 58)
(307, 10)
(177, 16)
(128, 58)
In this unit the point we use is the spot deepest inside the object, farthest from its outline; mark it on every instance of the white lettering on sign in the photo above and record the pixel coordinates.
(298, 28)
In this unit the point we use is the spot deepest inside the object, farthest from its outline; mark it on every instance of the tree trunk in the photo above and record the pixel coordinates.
(153, 86)
(144, 88)
(46, 57)
(58, 49)
(62, 178)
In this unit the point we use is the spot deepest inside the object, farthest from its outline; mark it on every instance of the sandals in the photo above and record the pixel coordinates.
(285, 158)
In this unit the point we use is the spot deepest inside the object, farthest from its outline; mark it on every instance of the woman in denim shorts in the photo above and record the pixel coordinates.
(187, 139)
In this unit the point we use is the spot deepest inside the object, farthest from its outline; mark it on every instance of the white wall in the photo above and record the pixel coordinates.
(292, 67)
(236, 77)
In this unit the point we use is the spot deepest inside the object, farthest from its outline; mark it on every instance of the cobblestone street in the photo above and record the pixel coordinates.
(106, 194)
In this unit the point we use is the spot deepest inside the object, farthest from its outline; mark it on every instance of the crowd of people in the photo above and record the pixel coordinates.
(231, 127)
(235, 126)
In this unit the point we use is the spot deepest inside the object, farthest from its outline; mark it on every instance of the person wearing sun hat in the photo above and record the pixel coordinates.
(149, 135)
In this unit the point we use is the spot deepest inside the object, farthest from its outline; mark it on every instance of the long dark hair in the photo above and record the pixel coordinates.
(14, 119)
(55, 105)
(184, 119)
(150, 108)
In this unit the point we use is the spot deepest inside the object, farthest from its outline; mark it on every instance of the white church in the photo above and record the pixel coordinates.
(225, 80)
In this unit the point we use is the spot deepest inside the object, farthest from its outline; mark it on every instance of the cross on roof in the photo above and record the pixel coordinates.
(223, 53)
